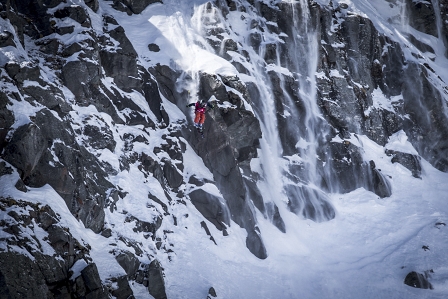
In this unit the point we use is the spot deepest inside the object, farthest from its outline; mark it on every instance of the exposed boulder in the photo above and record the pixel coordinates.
(91, 278)
(418, 280)
(348, 171)
(211, 293)
(156, 281)
(172, 175)
(153, 47)
(81, 77)
(411, 162)
(211, 208)
(121, 288)
(255, 243)
(129, 263)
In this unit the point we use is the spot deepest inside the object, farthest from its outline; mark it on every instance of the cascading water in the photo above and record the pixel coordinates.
(304, 53)
(290, 119)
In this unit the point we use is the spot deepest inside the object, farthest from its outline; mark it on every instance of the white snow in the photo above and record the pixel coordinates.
(399, 142)
(365, 252)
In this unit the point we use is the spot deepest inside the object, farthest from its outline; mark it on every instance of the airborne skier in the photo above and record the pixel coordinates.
(200, 107)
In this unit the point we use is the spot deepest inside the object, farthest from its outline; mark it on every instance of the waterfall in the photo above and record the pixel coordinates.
(280, 79)
(291, 120)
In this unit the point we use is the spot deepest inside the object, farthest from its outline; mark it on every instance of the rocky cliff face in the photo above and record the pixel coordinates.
(86, 109)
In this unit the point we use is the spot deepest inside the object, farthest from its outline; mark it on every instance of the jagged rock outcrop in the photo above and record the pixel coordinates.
(42, 267)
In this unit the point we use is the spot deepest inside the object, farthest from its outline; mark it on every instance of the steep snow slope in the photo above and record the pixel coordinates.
(360, 244)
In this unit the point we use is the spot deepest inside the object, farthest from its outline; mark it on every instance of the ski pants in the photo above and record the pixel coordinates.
(199, 118)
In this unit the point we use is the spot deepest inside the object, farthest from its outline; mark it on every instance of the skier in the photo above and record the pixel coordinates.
(200, 107)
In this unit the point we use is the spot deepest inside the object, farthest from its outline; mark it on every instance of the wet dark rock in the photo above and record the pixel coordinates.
(420, 45)
(310, 203)
(69, 50)
(270, 55)
(411, 162)
(25, 149)
(27, 72)
(422, 16)
(230, 45)
(254, 194)
(195, 181)
(75, 175)
(223, 152)
(149, 165)
(418, 280)
(36, 13)
(50, 97)
(255, 41)
(6, 120)
(65, 30)
(443, 6)
(426, 131)
(277, 220)
(381, 185)
(12, 68)
(348, 171)
(211, 208)
(107, 233)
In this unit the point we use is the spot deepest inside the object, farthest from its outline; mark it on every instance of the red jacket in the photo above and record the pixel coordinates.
(200, 108)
